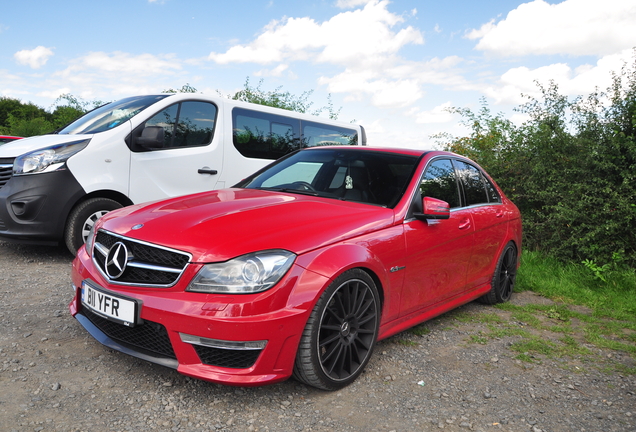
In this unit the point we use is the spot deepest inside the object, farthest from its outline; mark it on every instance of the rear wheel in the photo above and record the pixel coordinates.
(503, 280)
(83, 217)
(340, 334)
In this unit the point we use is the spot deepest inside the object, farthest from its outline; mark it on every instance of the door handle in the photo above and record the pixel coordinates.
(499, 214)
(464, 224)
(206, 170)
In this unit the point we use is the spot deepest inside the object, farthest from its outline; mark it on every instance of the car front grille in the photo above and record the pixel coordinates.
(147, 264)
(6, 171)
(149, 336)
(229, 358)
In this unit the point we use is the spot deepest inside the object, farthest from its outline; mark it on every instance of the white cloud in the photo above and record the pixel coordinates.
(276, 72)
(125, 63)
(35, 58)
(573, 82)
(349, 38)
(363, 44)
(350, 4)
(439, 114)
(572, 27)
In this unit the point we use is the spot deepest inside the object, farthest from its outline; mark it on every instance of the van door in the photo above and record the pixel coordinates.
(176, 152)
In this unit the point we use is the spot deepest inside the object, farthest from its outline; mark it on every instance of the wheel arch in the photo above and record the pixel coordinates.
(331, 262)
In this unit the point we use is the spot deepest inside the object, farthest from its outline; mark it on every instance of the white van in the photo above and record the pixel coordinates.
(54, 187)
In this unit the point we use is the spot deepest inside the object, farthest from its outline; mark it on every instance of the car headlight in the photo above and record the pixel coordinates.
(47, 159)
(251, 273)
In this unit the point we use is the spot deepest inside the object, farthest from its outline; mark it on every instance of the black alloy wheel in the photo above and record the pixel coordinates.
(341, 332)
(503, 280)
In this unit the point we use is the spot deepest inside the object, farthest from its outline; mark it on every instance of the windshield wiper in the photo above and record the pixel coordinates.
(290, 190)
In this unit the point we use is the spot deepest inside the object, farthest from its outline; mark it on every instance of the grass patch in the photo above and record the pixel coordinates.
(608, 320)
(573, 283)
(420, 330)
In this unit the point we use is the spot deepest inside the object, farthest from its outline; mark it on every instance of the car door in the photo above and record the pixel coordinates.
(438, 252)
(188, 160)
(490, 222)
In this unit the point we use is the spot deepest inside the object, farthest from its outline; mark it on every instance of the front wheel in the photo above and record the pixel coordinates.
(340, 334)
(83, 217)
(503, 280)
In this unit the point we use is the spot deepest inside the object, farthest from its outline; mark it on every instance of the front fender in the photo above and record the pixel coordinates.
(376, 253)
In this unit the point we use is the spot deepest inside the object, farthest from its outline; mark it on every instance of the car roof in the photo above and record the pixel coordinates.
(394, 150)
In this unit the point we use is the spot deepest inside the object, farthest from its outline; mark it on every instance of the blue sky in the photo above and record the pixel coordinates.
(393, 66)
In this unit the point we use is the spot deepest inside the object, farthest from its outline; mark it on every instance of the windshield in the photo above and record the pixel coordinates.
(371, 177)
(110, 115)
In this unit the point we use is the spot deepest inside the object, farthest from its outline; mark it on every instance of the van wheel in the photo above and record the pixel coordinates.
(83, 217)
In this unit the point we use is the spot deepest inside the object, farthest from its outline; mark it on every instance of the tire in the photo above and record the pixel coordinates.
(83, 217)
(503, 280)
(340, 334)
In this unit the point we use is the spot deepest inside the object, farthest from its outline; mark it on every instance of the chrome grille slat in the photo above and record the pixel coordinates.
(147, 265)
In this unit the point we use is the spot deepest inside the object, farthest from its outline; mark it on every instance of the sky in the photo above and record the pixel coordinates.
(395, 67)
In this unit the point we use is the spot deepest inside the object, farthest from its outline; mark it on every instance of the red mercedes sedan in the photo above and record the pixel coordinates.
(299, 269)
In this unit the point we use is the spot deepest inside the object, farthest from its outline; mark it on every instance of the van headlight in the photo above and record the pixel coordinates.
(47, 159)
(251, 273)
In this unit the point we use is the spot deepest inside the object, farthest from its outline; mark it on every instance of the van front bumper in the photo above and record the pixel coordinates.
(34, 208)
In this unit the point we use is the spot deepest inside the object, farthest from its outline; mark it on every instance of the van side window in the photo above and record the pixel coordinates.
(263, 135)
(473, 183)
(439, 182)
(187, 124)
(315, 134)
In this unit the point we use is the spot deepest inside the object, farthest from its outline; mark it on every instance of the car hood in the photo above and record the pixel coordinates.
(220, 225)
(26, 145)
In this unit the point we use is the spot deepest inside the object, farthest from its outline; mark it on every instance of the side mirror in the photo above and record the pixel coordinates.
(433, 208)
(151, 137)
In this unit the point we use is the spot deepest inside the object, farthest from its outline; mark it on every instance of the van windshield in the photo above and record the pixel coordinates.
(111, 115)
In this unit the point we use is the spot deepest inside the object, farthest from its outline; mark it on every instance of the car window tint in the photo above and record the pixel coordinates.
(371, 177)
(186, 125)
(315, 135)
(196, 124)
(165, 119)
(300, 172)
(473, 183)
(493, 195)
(439, 182)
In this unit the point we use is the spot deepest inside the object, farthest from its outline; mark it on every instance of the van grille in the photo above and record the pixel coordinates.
(147, 265)
(6, 171)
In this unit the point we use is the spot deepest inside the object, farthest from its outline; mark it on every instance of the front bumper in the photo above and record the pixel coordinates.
(34, 208)
(171, 319)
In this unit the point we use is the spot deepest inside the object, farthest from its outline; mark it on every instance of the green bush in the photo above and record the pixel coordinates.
(570, 168)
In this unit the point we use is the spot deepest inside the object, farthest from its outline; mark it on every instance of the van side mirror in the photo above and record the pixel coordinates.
(151, 137)
(433, 208)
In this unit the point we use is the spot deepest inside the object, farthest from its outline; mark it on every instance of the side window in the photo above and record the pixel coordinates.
(195, 125)
(439, 182)
(187, 124)
(473, 183)
(262, 135)
(493, 195)
(316, 134)
(165, 119)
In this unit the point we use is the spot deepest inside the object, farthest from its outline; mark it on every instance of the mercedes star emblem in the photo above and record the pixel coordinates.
(116, 260)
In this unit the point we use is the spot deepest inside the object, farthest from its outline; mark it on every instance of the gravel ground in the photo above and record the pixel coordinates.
(55, 377)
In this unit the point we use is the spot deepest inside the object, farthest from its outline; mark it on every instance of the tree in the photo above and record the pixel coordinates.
(282, 99)
(571, 168)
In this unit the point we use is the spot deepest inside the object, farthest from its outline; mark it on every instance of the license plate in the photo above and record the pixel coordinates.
(110, 306)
